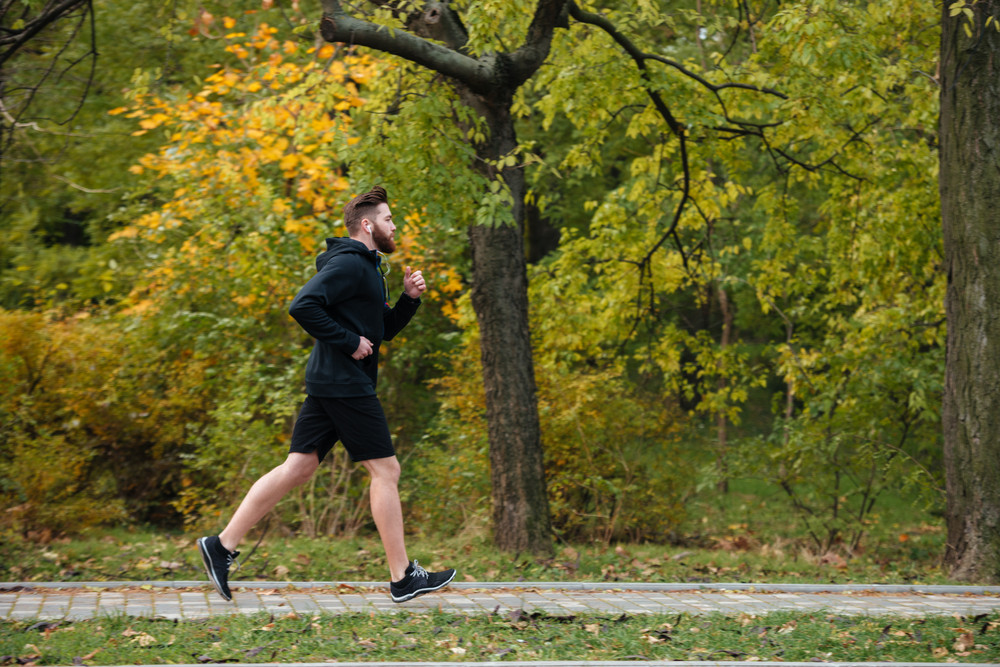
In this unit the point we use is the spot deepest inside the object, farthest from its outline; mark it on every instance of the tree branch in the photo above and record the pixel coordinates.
(632, 50)
(439, 21)
(12, 40)
(675, 126)
(525, 61)
(338, 26)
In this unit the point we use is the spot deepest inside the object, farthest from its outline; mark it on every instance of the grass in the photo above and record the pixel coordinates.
(746, 535)
(438, 636)
(143, 556)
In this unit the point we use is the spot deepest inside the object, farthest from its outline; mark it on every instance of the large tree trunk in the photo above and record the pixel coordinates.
(970, 201)
(500, 299)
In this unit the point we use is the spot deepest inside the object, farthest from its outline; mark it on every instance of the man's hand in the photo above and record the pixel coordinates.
(413, 283)
(364, 349)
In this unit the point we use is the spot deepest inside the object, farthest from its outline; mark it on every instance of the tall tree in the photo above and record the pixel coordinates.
(487, 76)
(970, 197)
(487, 85)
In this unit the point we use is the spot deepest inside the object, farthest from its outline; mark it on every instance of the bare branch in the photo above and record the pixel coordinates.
(79, 187)
(51, 64)
(12, 40)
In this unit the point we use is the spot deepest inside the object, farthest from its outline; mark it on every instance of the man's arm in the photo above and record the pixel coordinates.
(329, 286)
(397, 317)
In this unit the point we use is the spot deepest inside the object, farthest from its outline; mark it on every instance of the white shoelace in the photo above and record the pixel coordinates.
(418, 571)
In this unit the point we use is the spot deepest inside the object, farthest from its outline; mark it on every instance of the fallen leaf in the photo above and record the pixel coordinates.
(787, 627)
(834, 559)
(144, 639)
(964, 642)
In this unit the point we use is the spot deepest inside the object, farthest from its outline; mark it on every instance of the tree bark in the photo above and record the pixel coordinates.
(721, 420)
(500, 299)
(970, 198)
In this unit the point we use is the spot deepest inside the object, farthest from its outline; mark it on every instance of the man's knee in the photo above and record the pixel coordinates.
(384, 470)
(300, 467)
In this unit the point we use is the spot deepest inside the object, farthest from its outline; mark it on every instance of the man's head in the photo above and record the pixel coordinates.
(369, 220)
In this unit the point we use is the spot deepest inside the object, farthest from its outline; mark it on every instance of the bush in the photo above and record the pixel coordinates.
(92, 431)
(612, 459)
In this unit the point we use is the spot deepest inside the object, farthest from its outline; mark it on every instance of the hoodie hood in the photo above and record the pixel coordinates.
(340, 246)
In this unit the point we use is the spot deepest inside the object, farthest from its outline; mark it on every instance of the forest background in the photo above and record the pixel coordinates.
(783, 324)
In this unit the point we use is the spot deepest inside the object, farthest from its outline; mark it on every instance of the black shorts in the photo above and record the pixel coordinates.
(358, 422)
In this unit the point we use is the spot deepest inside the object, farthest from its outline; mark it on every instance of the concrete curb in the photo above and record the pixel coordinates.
(540, 585)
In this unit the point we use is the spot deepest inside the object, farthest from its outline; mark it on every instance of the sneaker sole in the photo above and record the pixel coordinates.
(207, 560)
(429, 589)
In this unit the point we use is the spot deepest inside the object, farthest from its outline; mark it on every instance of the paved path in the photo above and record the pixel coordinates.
(195, 599)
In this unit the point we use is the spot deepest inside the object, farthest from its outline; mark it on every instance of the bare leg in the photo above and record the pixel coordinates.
(388, 513)
(265, 494)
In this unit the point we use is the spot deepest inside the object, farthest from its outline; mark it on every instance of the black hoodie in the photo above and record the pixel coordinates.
(342, 302)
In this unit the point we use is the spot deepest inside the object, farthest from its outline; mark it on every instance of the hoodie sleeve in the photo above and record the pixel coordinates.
(397, 317)
(331, 285)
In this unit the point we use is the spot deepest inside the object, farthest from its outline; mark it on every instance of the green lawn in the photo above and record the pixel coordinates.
(436, 636)
(746, 535)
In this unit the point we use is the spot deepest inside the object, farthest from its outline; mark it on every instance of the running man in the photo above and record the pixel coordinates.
(345, 308)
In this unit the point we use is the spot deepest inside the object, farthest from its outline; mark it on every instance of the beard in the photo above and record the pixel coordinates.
(383, 241)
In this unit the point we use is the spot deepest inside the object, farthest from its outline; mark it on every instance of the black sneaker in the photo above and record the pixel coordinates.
(418, 581)
(217, 560)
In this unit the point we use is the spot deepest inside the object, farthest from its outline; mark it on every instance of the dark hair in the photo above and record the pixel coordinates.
(363, 206)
